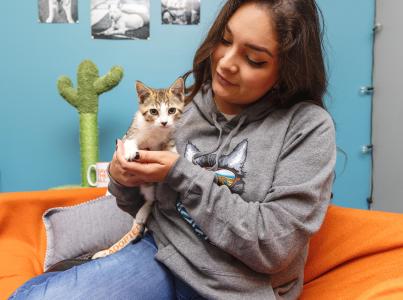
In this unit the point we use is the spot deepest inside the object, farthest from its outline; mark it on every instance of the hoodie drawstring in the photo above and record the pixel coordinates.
(228, 140)
(220, 147)
(217, 125)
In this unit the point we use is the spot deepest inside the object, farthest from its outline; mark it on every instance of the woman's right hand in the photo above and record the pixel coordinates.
(119, 168)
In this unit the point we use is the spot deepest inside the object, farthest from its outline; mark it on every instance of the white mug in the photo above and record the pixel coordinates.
(101, 171)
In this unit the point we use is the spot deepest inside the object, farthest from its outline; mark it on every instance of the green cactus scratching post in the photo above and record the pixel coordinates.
(85, 100)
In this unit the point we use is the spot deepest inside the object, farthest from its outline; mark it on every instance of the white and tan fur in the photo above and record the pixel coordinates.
(151, 129)
(54, 7)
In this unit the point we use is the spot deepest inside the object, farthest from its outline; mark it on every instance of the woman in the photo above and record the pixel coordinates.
(252, 180)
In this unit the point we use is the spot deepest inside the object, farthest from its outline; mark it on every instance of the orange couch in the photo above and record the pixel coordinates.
(357, 254)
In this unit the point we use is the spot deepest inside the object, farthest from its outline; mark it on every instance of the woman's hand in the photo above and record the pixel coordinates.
(151, 166)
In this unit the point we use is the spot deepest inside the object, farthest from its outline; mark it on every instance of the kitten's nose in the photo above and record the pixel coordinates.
(164, 123)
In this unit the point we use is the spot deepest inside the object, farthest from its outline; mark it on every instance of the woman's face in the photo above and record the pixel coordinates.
(244, 64)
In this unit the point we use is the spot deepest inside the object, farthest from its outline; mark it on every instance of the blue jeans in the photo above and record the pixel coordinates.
(131, 273)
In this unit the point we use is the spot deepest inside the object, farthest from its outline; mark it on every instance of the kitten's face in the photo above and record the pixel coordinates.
(161, 107)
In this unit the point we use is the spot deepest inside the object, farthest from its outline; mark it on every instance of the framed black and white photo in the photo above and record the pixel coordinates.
(120, 19)
(58, 11)
(181, 12)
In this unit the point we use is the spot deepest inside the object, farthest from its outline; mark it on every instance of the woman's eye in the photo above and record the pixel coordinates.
(255, 63)
(225, 42)
(153, 111)
(172, 110)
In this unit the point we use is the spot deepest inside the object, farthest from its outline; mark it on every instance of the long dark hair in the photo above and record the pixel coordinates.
(302, 74)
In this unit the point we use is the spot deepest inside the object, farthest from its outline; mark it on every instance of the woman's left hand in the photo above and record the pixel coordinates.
(152, 166)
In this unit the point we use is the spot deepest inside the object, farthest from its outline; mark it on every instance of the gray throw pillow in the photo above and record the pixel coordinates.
(84, 228)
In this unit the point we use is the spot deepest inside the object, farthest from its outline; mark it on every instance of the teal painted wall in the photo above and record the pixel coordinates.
(39, 130)
(349, 53)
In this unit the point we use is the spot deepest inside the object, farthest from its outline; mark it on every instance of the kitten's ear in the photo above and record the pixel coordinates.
(178, 88)
(143, 92)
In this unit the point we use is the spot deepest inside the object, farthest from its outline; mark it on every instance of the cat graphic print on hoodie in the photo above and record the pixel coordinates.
(229, 172)
(230, 167)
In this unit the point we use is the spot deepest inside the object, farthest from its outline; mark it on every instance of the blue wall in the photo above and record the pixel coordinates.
(39, 130)
(349, 51)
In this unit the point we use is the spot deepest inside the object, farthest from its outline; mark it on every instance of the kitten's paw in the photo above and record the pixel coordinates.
(130, 150)
(100, 254)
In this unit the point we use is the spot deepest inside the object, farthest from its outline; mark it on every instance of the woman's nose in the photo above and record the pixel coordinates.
(228, 62)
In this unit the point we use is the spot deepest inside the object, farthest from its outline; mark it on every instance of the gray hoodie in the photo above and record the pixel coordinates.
(235, 213)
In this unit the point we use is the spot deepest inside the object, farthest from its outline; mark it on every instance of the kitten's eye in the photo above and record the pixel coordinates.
(153, 111)
(172, 110)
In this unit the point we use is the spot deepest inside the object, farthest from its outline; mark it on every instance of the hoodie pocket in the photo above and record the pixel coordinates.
(165, 252)
(212, 282)
(240, 286)
(224, 273)
(285, 288)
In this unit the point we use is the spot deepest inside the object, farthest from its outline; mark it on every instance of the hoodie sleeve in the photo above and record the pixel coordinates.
(128, 199)
(267, 236)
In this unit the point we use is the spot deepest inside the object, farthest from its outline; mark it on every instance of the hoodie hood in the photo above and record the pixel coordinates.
(205, 103)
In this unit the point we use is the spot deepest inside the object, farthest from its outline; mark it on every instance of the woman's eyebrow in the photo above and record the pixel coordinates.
(259, 48)
(252, 46)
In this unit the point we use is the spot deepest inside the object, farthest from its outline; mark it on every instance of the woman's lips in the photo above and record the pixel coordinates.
(223, 81)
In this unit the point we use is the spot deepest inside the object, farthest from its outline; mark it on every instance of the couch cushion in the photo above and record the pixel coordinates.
(355, 252)
(84, 228)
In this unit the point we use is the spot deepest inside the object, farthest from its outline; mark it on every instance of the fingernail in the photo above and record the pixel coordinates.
(137, 155)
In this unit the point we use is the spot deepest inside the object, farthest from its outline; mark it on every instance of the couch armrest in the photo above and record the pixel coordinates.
(22, 232)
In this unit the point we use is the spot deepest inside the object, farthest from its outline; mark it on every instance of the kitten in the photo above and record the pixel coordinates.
(151, 129)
